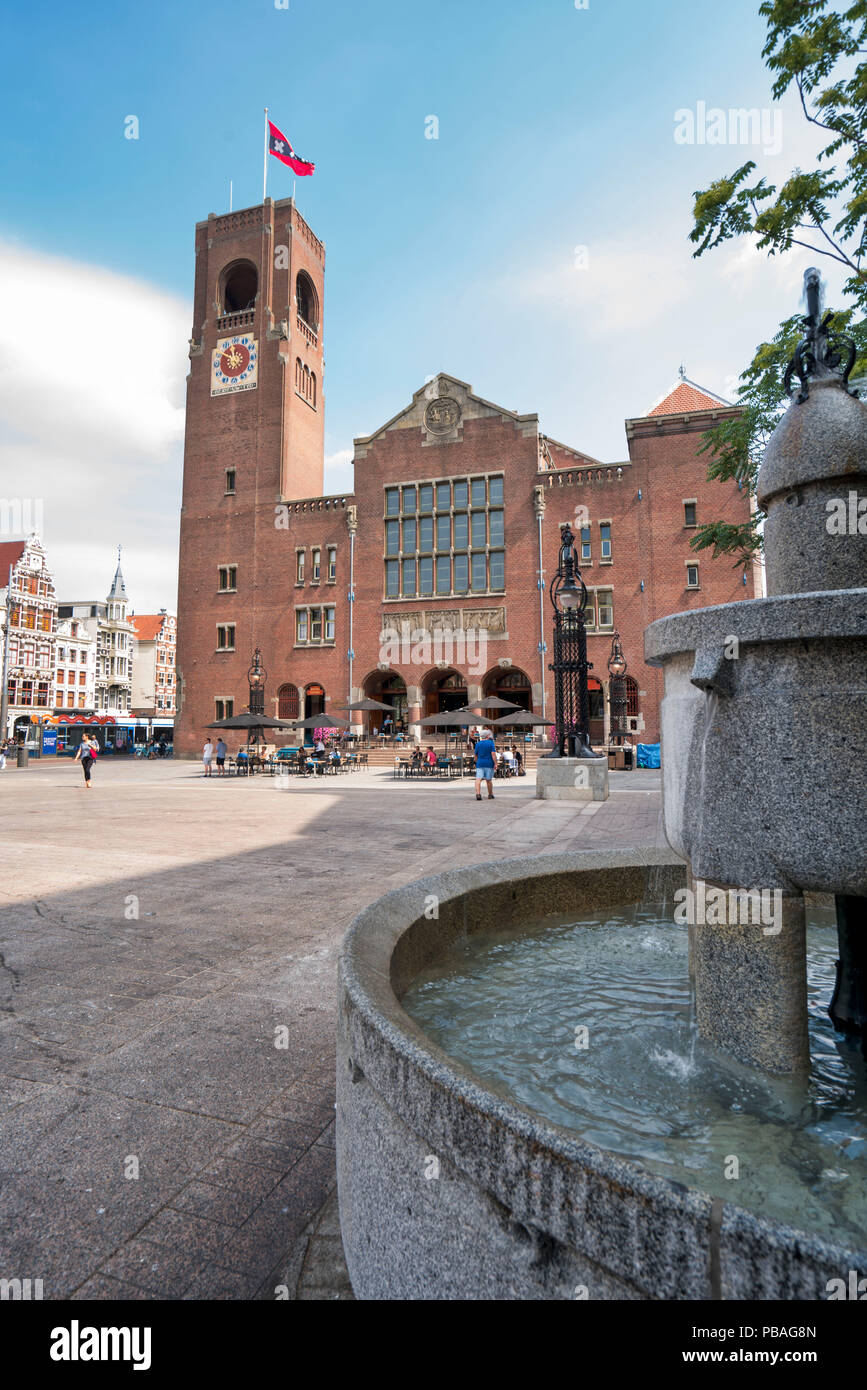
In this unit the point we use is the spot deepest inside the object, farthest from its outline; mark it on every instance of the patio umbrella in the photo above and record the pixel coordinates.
(522, 718)
(319, 721)
(367, 705)
(249, 721)
(494, 702)
(460, 718)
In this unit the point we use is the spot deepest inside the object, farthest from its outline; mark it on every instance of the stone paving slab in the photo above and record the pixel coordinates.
(168, 953)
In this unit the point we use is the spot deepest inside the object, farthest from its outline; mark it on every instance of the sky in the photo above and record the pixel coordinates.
(537, 248)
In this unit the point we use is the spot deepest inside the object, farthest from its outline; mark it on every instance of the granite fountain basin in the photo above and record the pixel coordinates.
(450, 1191)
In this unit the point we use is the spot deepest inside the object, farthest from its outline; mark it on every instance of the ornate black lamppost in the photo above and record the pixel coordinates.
(617, 690)
(256, 677)
(568, 594)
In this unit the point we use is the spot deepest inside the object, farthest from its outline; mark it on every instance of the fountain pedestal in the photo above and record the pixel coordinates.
(762, 725)
(751, 983)
(572, 779)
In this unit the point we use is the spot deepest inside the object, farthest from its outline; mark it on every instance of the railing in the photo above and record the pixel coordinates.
(227, 323)
(310, 337)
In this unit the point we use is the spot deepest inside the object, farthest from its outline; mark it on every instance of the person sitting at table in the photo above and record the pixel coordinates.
(430, 756)
(415, 760)
(334, 756)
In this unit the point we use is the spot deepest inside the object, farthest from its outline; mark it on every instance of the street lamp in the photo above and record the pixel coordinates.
(256, 677)
(617, 689)
(570, 666)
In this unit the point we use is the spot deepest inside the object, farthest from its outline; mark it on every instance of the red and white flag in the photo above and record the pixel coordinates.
(281, 149)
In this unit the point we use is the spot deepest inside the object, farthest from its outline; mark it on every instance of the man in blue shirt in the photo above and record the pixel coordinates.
(485, 765)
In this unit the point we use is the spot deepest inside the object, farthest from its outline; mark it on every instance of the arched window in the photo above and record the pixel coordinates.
(312, 388)
(307, 383)
(240, 285)
(631, 693)
(306, 300)
(299, 374)
(287, 702)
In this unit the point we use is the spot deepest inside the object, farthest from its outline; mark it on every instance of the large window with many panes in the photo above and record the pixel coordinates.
(445, 538)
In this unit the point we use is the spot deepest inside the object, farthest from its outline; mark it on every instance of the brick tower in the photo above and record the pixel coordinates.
(254, 438)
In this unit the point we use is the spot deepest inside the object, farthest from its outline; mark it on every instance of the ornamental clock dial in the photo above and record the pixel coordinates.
(234, 365)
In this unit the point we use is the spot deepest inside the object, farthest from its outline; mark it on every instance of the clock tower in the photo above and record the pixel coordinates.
(254, 436)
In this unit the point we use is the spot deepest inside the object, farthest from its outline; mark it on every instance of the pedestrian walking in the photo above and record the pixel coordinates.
(485, 752)
(85, 754)
(4, 753)
(207, 755)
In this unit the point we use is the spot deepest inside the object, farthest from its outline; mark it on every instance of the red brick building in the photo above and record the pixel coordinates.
(422, 588)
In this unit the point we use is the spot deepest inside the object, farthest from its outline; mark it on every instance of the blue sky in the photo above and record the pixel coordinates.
(456, 254)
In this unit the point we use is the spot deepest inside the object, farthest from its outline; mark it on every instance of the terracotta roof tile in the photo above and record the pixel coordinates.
(685, 397)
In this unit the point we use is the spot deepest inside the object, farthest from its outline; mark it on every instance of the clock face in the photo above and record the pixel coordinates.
(234, 365)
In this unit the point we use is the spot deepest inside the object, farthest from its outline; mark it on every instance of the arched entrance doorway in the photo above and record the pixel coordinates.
(510, 684)
(597, 710)
(390, 689)
(443, 690)
(314, 703)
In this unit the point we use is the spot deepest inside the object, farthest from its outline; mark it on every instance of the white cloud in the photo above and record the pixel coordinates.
(92, 382)
(339, 472)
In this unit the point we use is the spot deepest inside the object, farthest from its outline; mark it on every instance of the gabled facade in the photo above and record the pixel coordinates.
(29, 605)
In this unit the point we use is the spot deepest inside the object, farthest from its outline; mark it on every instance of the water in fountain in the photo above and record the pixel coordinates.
(507, 1006)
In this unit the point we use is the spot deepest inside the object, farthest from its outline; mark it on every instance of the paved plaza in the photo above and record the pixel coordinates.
(168, 956)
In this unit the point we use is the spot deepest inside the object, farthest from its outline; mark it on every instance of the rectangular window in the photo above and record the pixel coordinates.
(392, 538)
(316, 563)
(425, 533)
(329, 624)
(444, 574)
(462, 494)
(409, 535)
(425, 497)
(462, 531)
(409, 578)
(690, 514)
(480, 572)
(478, 492)
(479, 529)
(590, 610)
(228, 578)
(409, 499)
(605, 540)
(301, 625)
(496, 527)
(444, 496)
(498, 570)
(315, 624)
(462, 574)
(392, 501)
(495, 492)
(425, 576)
(605, 607)
(392, 578)
(585, 545)
(82, 678)
(226, 638)
(299, 566)
(444, 532)
(230, 482)
(692, 576)
(332, 564)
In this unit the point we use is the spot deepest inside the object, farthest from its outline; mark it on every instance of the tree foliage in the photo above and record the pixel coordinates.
(824, 210)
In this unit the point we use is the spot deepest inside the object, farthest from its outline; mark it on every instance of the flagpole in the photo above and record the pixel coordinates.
(265, 161)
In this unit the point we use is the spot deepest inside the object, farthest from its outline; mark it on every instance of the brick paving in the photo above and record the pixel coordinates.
(168, 955)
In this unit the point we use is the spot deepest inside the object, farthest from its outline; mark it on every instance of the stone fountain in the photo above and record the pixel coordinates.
(763, 727)
(450, 1187)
